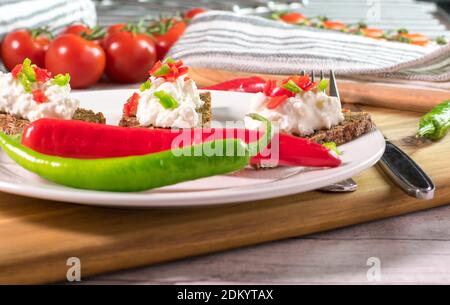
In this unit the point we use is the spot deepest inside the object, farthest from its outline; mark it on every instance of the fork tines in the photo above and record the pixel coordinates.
(332, 81)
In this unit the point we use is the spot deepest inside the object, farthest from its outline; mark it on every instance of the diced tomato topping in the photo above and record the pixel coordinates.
(176, 69)
(179, 63)
(182, 70)
(304, 82)
(271, 84)
(39, 96)
(42, 75)
(280, 91)
(155, 67)
(277, 95)
(275, 101)
(16, 70)
(311, 86)
(130, 107)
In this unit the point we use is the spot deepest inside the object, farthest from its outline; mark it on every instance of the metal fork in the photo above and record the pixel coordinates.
(348, 185)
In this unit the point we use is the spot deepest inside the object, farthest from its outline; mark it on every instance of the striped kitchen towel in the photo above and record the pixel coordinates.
(56, 14)
(228, 41)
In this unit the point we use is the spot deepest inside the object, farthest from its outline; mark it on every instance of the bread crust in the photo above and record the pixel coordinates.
(11, 124)
(355, 124)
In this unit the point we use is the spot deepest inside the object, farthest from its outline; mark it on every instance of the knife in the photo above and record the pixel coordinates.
(406, 173)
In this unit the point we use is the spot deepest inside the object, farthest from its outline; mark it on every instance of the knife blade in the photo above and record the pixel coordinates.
(406, 173)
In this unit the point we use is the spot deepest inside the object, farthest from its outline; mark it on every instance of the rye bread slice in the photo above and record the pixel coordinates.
(355, 124)
(11, 124)
(205, 111)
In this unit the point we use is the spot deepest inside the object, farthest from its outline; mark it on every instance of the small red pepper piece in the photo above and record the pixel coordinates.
(275, 101)
(304, 82)
(270, 85)
(42, 75)
(130, 107)
(78, 139)
(155, 67)
(169, 70)
(16, 70)
(39, 96)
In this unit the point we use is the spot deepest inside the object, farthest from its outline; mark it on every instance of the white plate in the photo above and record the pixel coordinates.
(245, 185)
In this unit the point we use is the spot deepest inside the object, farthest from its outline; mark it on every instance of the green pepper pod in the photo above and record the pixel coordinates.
(436, 123)
(137, 173)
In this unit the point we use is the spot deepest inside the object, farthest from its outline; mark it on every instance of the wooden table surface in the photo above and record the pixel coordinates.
(38, 236)
(413, 248)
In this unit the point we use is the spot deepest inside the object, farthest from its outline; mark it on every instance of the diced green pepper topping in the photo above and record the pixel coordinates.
(332, 146)
(291, 86)
(145, 86)
(27, 76)
(164, 70)
(25, 82)
(166, 100)
(28, 70)
(61, 79)
(169, 61)
(323, 85)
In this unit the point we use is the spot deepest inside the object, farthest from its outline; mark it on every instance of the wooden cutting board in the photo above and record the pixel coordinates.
(37, 236)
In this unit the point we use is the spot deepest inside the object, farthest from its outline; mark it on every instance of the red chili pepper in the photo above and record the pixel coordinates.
(130, 107)
(275, 101)
(77, 139)
(39, 96)
(253, 84)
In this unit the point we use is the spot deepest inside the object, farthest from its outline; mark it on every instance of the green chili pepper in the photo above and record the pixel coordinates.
(436, 123)
(166, 100)
(137, 173)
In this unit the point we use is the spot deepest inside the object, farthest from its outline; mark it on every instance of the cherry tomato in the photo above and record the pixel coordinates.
(114, 28)
(334, 25)
(83, 59)
(165, 39)
(77, 29)
(372, 32)
(129, 56)
(293, 18)
(18, 45)
(416, 38)
(193, 12)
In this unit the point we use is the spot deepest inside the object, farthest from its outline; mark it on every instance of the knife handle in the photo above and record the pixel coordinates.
(406, 173)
